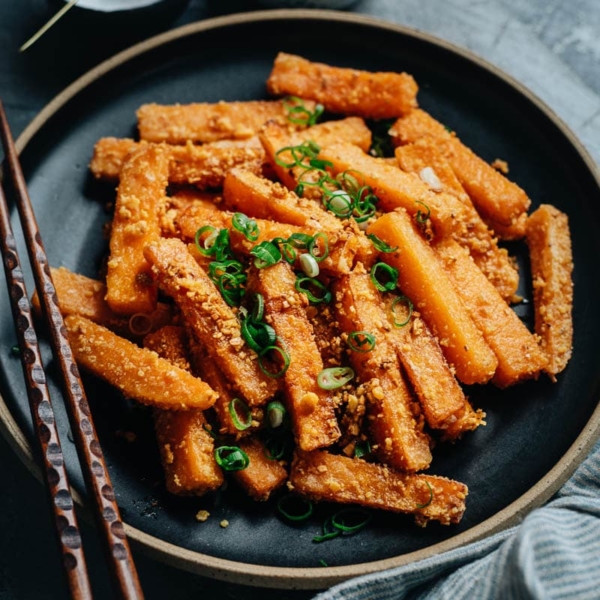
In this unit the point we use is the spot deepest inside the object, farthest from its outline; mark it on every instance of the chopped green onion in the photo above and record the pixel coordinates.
(339, 203)
(275, 414)
(266, 254)
(306, 285)
(309, 265)
(380, 245)
(362, 449)
(276, 447)
(314, 247)
(288, 252)
(206, 247)
(409, 304)
(246, 225)
(231, 458)
(323, 563)
(295, 508)
(350, 520)
(284, 356)
(334, 377)
(240, 414)
(300, 240)
(422, 217)
(430, 497)
(361, 341)
(208, 429)
(389, 272)
(15, 350)
(306, 150)
(258, 310)
(329, 532)
(298, 114)
(257, 334)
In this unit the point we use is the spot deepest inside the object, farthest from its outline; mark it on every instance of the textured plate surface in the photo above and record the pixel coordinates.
(536, 433)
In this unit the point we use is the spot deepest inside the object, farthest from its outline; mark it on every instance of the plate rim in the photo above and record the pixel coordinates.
(311, 577)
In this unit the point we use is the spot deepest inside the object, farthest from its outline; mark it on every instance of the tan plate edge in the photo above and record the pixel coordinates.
(322, 577)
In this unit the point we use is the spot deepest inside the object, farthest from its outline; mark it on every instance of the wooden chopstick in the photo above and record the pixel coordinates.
(93, 466)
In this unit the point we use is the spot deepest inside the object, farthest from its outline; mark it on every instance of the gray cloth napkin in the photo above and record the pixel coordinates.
(553, 553)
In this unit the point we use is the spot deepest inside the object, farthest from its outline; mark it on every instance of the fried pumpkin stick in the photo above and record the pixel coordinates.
(549, 242)
(497, 199)
(333, 478)
(424, 280)
(209, 122)
(202, 166)
(140, 198)
(212, 321)
(519, 356)
(392, 411)
(139, 373)
(424, 159)
(381, 95)
(311, 407)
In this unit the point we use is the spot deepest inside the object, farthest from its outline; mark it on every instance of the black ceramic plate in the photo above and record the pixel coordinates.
(536, 433)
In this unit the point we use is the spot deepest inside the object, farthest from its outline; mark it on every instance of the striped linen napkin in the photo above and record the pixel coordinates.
(553, 553)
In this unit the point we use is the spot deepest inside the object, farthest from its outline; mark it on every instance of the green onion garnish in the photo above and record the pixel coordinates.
(422, 217)
(206, 246)
(430, 497)
(15, 350)
(276, 447)
(298, 114)
(309, 265)
(275, 414)
(246, 225)
(308, 285)
(380, 245)
(350, 520)
(334, 377)
(257, 334)
(266, 254)
(362, 449)
(361, 341)
(240, 414)
(314, 247)
(409, 304)
(384, 277)
(258, 310)
(231, 458)
(329, 531)
(283, 355)
(306, 150)
(300, 240)
(295, 508)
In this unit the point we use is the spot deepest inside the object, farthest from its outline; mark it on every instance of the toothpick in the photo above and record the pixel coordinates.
(36, 36)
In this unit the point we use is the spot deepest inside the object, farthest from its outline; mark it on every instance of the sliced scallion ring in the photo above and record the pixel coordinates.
(246, 225)
(240, 414)
(309, 265)
(380, 245)
(329, 532)
(266, 254)
(295, 508)
(421, 216)
(283, 355)
(314, 247)
(276, 413)
(231, 458)
(308, 285)
(362, 449)
(350, 520)
(334, 377)
(384, 277)
(426, 504)
(395, 303)
(361, 341)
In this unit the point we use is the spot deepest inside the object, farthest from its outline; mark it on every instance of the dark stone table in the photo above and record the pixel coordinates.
(551, 46)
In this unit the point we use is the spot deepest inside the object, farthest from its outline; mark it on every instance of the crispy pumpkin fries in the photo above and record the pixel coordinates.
(297, 307)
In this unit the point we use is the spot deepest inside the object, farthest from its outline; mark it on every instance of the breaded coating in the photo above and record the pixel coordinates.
(310, 406)
(549, 242)
(328, 477)
(209, 122)
(496, 198)
(423, 278)
(140, 199)
(380, 95)
(140, 374)
(212, 321)
(204, 166)
(263, 475)
(393, 414)
(519, 356)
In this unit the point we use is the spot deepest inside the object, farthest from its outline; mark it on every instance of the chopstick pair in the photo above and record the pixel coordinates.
(100, 491)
